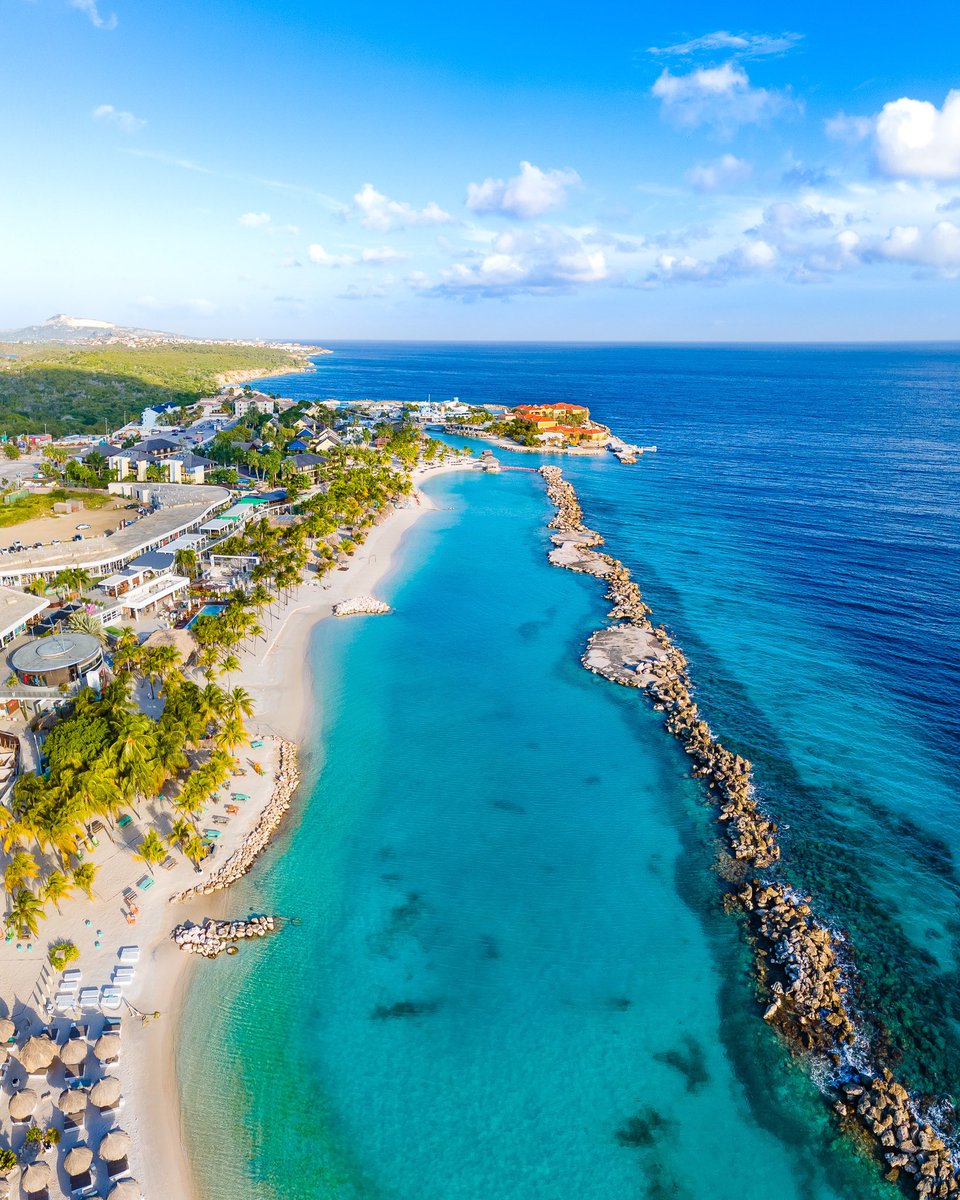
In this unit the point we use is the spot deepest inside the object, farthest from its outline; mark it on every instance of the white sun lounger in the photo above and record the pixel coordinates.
(129, 954)
(72, 976)
(110, 998)
(64, 1000)
(88, 997)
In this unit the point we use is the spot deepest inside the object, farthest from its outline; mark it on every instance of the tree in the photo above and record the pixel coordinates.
(185, 563)
(181, 831)
(151, 850)
(83, 877)
(89, 623)
(11, 451)
(196, 849)
(25, 913)
(56, 887)
(21, 868)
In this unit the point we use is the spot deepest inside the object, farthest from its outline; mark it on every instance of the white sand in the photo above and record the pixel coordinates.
(276, 673)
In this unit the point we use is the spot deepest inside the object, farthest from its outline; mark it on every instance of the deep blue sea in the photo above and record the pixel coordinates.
(513, 978)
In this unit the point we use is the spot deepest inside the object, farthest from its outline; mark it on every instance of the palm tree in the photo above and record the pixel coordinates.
(238, 703)
(25, 913)
(89, 623)
(83, 877)
(229, 663)
(231, 734)
(56, 887)
(181, 831)
(152, 850)
(196, 849)
(185, 563)
(21, 868)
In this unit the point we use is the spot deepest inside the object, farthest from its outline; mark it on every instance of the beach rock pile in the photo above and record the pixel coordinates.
(257, 840)
(358, 605)
(798, 960)
(798, 965)
(213, 937)
(907, 1143)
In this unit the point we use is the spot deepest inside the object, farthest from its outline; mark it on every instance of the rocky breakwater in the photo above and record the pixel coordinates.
(802, 975)
(257, 840)
(213, 937)
(359, 605)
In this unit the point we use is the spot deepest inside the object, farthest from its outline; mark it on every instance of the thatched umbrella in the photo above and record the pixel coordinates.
(106, 1093)
(115, 1145)
(7, 1029)
(74, 1052)
(126, 1189)
(36, 1178)
(78, 1160)
(107, 1048)
(72, 1102)
(22, 1104)
(37, 1055)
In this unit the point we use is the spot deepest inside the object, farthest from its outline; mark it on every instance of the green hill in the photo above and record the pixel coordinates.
(70, 390)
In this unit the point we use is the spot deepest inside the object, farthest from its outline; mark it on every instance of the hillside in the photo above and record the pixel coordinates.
(69, 389)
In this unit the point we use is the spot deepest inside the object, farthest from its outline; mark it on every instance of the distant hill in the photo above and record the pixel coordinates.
(69, 330)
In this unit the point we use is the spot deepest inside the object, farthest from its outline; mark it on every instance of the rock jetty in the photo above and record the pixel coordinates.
(213, 937)
(257, 840)
(358, 605)
(805, 982)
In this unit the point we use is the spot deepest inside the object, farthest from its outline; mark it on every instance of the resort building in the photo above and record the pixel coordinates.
(255, 402)
(62, 658)
(18, 611)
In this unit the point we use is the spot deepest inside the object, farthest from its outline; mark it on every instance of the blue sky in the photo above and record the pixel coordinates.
(615, 172)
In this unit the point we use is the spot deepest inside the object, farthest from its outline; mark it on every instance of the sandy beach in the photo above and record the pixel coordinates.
(276, 673)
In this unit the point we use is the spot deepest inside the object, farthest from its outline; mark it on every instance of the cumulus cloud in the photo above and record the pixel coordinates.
(914, 138)
(722, 97)
(379, 256)
(938, 247)
(753, 257)
(323, 258)
(116, 116)
(90, 8)
(379, 212)
(532, 262)
(740, 45)
(723, 172)
(529, 194)
(254, 220)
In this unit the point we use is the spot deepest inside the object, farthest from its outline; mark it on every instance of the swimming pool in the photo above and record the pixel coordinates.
(208, 610)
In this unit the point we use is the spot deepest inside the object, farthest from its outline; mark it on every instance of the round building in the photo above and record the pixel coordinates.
(61, 658)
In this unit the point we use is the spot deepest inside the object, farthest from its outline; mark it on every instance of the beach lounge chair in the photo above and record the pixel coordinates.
(240, 796)
(88, 997)
(218, 820)
(110, 997)
(257, 744)
(145, 882)
(124, 821)
(232, 809)
(130, 896)
(211, 833)
(129, 954)
(64, 1000)
(72, 976)
(168, 863)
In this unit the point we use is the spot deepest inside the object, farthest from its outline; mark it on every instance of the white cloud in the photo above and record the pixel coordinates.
(753, 257)
(529, 194)
(741, 45)
(916, 139)
(254, 220)
(938, 247)
(721, 173)
(719, 96)
(116, 116)
(378, 211)
(845, 128)
(90, 8)
(531, 261)
(380, 256)
(322, 258)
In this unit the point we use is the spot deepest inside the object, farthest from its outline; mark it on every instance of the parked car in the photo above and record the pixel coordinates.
(84, 525)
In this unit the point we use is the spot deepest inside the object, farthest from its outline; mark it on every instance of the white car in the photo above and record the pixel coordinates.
(85, 525)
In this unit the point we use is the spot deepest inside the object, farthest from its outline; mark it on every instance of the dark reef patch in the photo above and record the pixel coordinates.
(404, 1008)
(643, 1129)
(690, 1061)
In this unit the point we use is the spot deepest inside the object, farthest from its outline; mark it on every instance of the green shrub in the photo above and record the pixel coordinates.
(61, 954)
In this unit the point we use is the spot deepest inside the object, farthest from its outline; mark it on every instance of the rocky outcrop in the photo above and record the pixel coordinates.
(257, 840)
(800, 968)
(358, 605)
(213, 937)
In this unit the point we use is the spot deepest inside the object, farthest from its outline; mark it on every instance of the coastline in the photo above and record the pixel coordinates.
(280, 679)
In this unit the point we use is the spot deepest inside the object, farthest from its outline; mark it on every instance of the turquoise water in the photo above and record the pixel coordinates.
(208, 610)
(512, 976)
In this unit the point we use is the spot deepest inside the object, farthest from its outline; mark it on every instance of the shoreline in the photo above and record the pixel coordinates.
(804, 972)
(281, 679)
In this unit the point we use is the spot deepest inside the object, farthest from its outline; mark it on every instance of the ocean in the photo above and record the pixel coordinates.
(512, 975)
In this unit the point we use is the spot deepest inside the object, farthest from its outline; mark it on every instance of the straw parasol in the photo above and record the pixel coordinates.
(78, 1160)
(36, 1178)
(72, 1102)
(7, 1029)
(22, 1104)
(126, 1189)
(115, 1145)
(74, 1052)
(105, 1093)
(37, 1055)
(107, 1048)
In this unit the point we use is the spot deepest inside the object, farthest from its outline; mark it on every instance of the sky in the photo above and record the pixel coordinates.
(614, 172)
